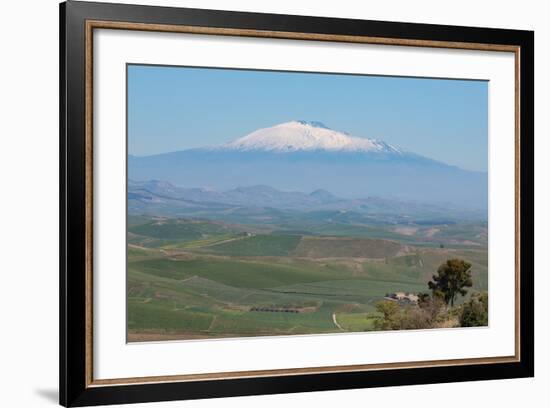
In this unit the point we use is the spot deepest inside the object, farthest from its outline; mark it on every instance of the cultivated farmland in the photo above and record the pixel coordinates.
(194, 278)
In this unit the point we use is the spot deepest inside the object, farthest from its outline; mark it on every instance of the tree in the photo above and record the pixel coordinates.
(432, 306)
(452, 278)
(391, 315)
(476, 311)
(424, 300)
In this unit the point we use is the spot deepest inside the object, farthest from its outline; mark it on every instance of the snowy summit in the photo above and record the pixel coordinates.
(300, 135)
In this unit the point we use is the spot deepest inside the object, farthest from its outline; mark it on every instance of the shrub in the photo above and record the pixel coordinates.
(475, 312)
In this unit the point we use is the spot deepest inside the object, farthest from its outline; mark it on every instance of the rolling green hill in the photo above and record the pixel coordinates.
(257, 245)
(199, 279)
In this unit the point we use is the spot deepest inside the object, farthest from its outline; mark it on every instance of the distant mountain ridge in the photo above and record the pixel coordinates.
(308, 156)
(249, 196)
(165, 198)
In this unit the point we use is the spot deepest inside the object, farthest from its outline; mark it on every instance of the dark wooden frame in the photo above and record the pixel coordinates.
(77, 21)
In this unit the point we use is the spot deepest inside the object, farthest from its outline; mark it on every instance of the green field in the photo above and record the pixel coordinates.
(192, 278)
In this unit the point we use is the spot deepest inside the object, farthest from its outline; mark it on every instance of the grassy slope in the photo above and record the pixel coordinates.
(258, 245)
(179, 230)
(236, 273)
(317, 247)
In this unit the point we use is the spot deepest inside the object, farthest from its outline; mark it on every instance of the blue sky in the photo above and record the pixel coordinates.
(176, 108)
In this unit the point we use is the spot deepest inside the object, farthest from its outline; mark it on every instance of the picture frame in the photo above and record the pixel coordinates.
(79, 21)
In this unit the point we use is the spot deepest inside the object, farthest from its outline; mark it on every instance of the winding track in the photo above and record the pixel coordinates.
(336, 323)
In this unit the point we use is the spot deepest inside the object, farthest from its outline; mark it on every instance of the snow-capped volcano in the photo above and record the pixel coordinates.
(300, 135)
(307, 156)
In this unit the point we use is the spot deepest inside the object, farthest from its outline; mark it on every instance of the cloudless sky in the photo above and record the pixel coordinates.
(176, 108)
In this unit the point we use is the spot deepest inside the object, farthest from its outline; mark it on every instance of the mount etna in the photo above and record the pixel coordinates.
(300, 156)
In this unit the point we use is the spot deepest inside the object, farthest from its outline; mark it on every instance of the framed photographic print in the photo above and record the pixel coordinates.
(256, 203)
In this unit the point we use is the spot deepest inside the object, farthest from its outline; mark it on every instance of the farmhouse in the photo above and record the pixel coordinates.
(403, 297)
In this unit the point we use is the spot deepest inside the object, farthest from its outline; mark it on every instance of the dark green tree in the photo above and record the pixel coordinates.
(475, 312)
(452, 278)
(391, 315)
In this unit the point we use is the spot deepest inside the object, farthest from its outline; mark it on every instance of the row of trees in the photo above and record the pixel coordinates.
(437, 309)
